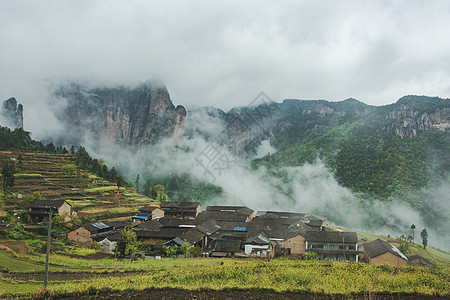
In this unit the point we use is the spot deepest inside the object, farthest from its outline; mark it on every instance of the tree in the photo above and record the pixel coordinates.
(413, 228)
(147, 188)
(8, 170)
(184, 248)
(19, 162)
(50, 148)
(120, 182)
(68, 170)
(158, 193)
(128, 243)
(136, 183)
(424, 235)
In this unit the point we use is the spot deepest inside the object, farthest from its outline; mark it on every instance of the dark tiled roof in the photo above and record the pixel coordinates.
(148, 209)
(221, 216)
(171, 222)
(233, 226)
(114, 237)
(276, 228)
(98, 226)
(260, 239)
(176, 241)
(227, 246)
(149, 225)
(162, 233)
(282, 214)
(180, 205)
(331, 236)
(208, 227)
(115, 224)
(243, 210)
(378, 247)
(192, 236)
(47, 203)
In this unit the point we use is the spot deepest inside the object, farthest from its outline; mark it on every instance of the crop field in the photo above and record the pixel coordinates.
(280, 275)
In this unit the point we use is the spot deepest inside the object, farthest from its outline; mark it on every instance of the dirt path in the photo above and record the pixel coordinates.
(237, 294)
(62, 276)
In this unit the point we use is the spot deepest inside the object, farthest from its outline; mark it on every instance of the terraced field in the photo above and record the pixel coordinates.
(88, 194)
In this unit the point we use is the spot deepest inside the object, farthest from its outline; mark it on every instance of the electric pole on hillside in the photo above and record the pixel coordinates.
(49, 238)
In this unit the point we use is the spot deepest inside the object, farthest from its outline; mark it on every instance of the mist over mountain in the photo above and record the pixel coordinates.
(378, 168)
(132, 116)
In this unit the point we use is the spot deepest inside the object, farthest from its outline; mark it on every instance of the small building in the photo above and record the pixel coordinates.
(381, 252)
(40, 210)
(109, 243)
(148, 213)
(260, 246)
(226, 248)
(332, 245)
(94, 232)
(181, 209)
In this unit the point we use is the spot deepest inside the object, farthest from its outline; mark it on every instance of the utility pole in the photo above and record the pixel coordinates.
(49, 238)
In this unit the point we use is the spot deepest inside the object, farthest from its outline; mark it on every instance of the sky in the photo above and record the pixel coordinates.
(224, 53)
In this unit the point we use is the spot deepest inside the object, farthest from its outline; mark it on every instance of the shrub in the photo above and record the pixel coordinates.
(194, 251)
(309, 256)
(96, 246)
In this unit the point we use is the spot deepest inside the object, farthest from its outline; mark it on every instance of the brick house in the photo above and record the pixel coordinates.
(381, 252)
(40, 210)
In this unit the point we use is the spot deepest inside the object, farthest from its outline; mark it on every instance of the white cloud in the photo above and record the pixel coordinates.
(223, 53)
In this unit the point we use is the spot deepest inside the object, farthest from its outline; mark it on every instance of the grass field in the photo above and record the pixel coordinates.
(207, 273)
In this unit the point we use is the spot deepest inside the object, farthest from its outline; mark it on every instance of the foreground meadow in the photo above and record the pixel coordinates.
(279, 275)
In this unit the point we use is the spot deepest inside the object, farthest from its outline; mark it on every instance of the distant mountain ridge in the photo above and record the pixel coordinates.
(246, 127)
(129, 116)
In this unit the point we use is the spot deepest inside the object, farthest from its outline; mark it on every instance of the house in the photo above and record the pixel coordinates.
(80, 236)
(109, 243)
(381, 252)
(181, 209)
(332, 245)
(288, 233)
(260, 246)
(94, 232)
(226, 248)
(147, 213)
(176, 242)
(40, 210)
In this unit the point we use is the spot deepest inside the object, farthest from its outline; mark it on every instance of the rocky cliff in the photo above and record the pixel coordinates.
(12, 113)
(412, 114)
(130, 116)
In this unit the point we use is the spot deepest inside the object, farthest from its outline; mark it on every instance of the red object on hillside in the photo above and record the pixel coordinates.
(117, 194)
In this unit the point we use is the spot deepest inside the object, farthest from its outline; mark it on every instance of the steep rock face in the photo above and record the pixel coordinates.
(132, 116)
(407, 118)
(12, 113)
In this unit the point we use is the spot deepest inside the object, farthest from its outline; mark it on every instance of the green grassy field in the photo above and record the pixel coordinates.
(279, 275)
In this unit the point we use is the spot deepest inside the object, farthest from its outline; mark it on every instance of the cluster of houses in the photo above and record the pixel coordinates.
(230, 231)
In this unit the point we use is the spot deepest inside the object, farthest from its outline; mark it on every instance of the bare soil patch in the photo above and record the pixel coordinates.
(236, 294)
(20, 247)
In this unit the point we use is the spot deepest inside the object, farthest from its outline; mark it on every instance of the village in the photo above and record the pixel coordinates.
(227, 231)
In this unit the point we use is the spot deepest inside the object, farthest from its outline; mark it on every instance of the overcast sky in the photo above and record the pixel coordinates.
(223, 53)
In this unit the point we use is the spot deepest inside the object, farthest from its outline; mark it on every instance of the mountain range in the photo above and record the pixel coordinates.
(397, 151)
